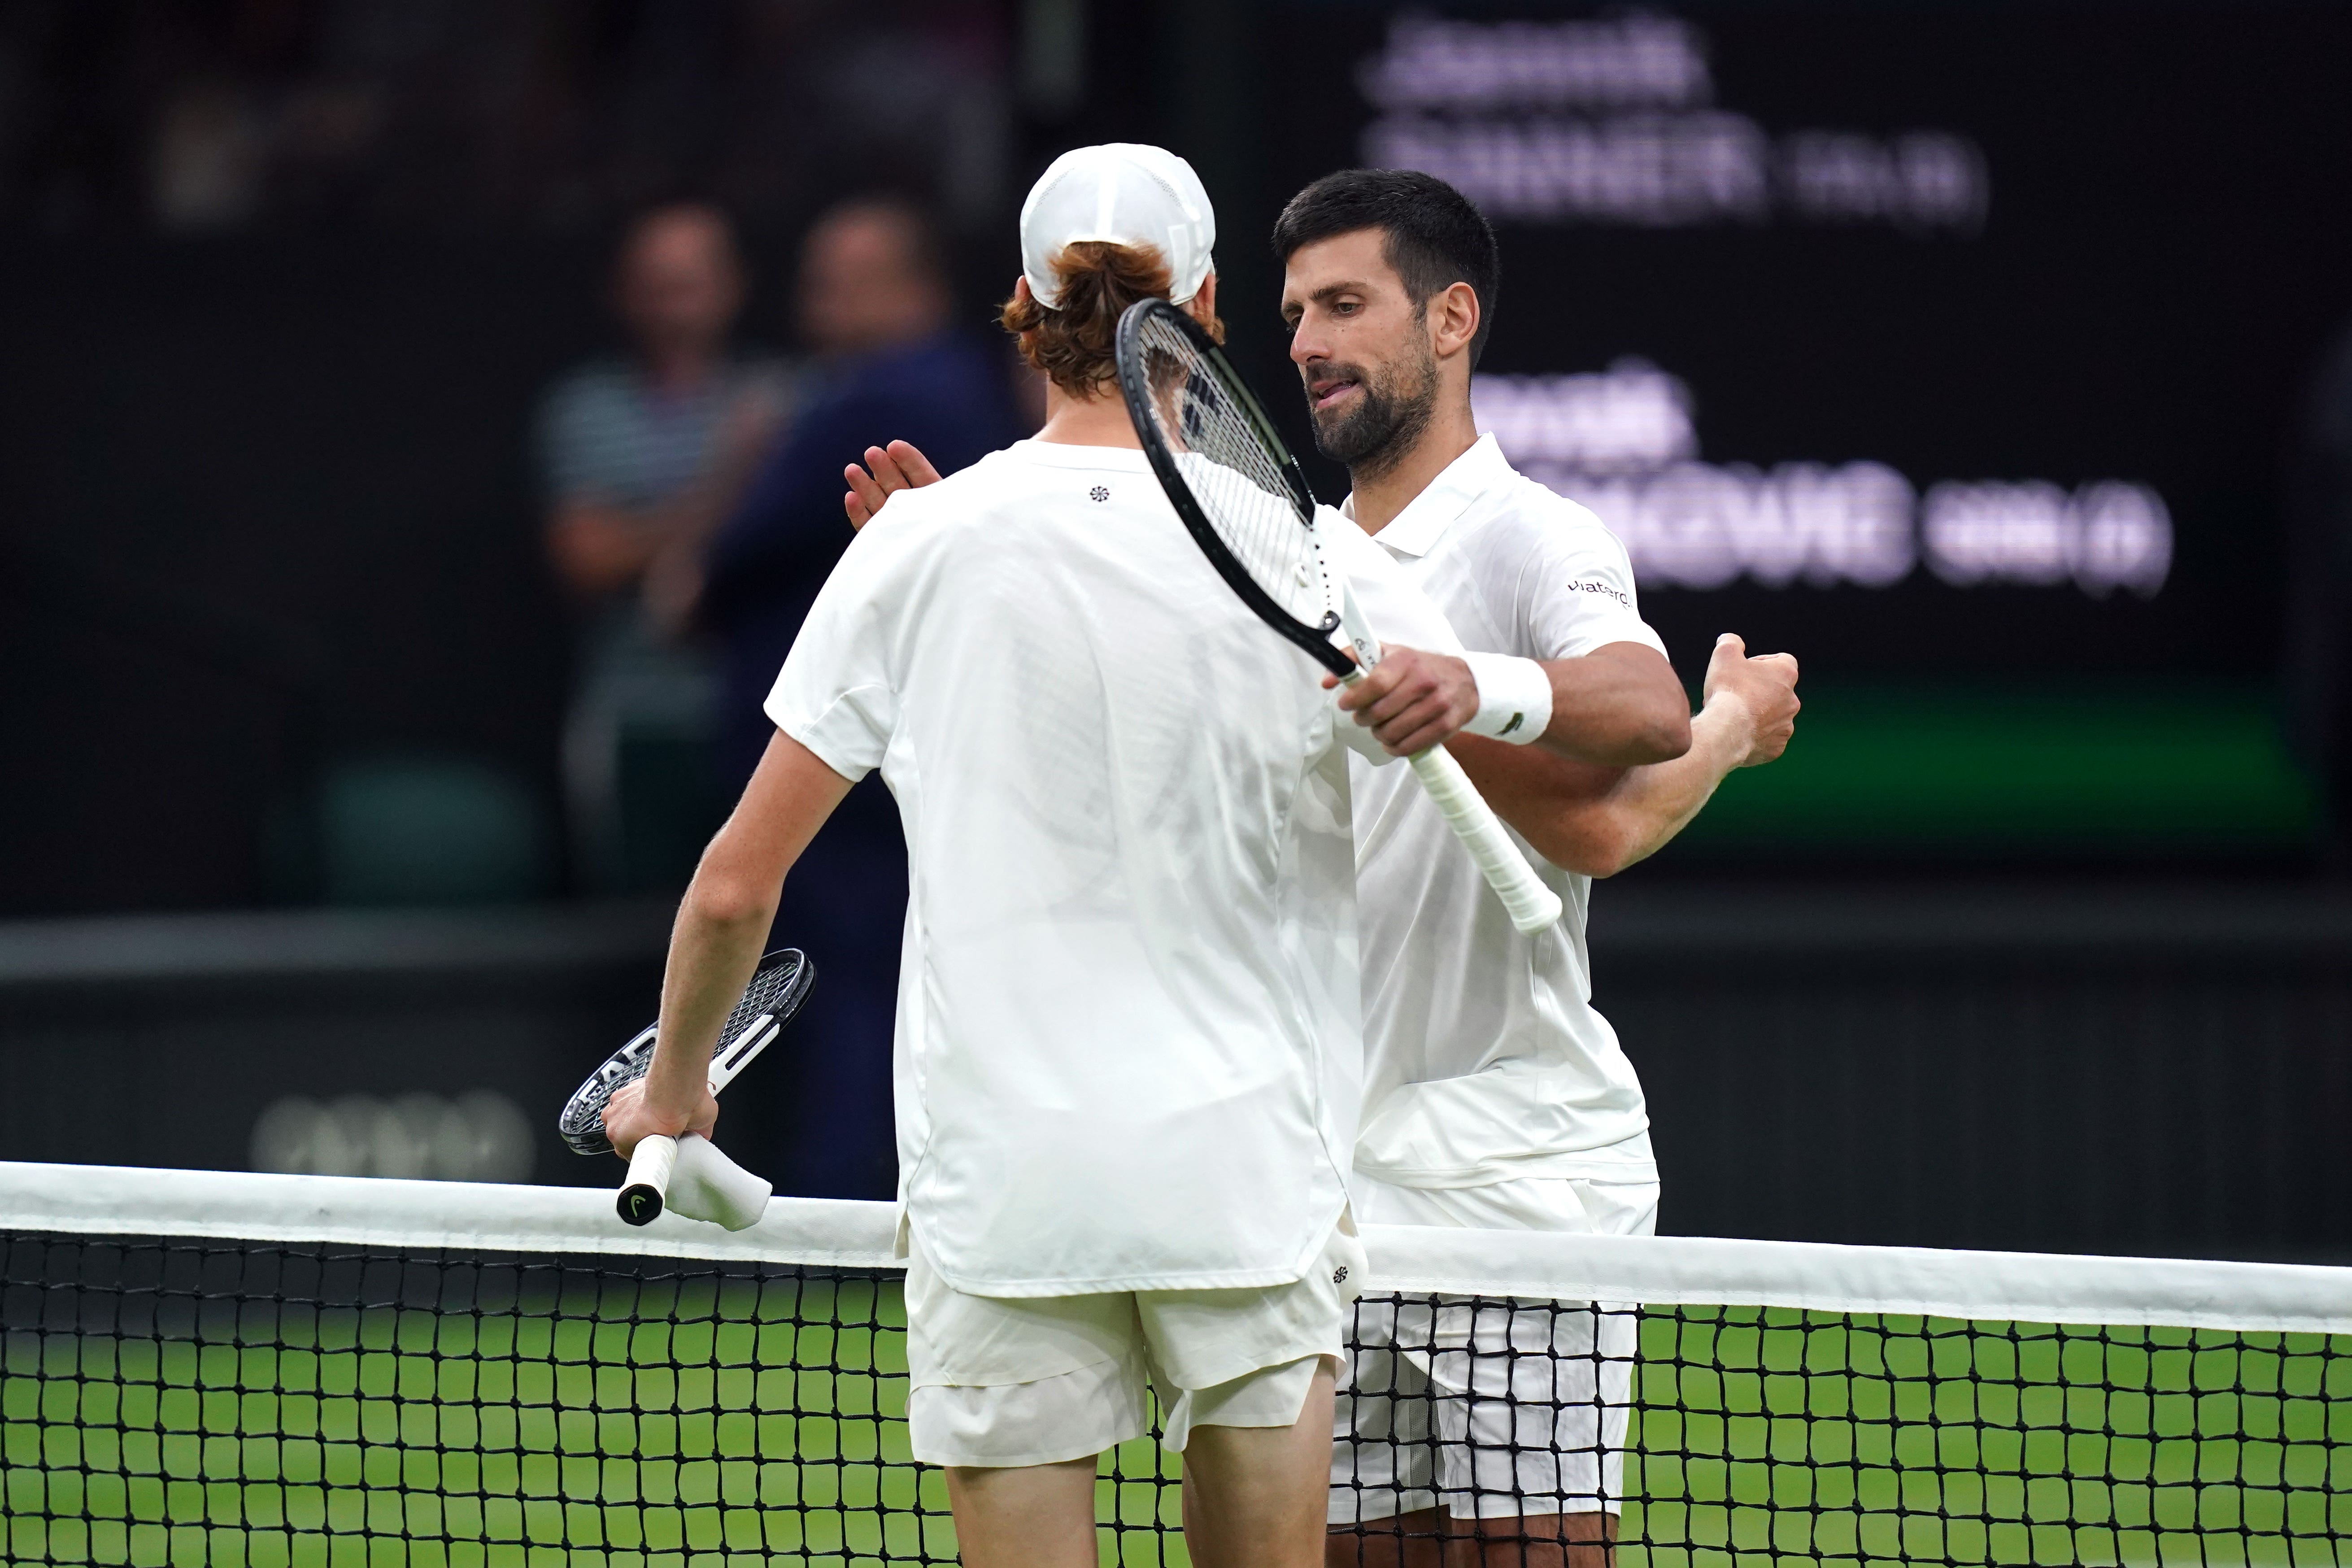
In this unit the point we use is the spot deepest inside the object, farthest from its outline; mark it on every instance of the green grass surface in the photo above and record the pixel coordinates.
(757, 1431)
(2116, 769)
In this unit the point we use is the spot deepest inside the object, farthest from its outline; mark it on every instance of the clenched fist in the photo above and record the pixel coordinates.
(1765, 686)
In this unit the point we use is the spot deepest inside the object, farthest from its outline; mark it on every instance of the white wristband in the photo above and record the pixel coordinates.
(1514, 697)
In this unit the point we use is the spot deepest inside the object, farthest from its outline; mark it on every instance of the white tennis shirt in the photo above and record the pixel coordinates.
(1485, 1059)
(1128, 1040)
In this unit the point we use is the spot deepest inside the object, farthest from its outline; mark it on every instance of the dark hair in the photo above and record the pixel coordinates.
(1435, 237)
(1075, 341)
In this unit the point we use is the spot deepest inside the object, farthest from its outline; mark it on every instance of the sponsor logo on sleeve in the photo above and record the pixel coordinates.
(1607, 591)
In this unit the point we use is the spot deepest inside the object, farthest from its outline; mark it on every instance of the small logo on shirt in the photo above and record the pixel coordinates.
(1340, 1275)
(1100, 492)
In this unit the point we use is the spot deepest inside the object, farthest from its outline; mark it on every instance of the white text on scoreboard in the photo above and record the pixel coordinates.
(1623, 442)
(1613, 122)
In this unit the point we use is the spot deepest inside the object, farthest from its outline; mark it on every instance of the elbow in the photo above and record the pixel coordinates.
(1596, 849)
(1666, 736)
(1606, 860)
(728, 902)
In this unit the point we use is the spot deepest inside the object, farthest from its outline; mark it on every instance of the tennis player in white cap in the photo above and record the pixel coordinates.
(1129, 1036)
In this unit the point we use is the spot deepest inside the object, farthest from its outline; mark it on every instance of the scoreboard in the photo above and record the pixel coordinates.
(1958, 350)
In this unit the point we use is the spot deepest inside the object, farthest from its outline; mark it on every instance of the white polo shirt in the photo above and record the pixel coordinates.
(1129, 1038)
(1485, 1059)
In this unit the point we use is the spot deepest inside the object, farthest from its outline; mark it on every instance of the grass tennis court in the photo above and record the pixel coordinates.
(742, 1421)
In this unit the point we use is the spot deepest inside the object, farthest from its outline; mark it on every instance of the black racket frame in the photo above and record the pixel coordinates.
(1135, 387)
(582, 1125)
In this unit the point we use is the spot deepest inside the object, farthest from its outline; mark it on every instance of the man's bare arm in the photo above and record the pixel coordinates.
(1600, 820)
(715, 945)
(1620, 706)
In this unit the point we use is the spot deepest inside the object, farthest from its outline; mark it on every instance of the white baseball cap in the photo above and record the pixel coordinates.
(1127, 194)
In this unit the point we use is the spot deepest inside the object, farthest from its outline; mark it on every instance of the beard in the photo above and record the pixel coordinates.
(1391, 411)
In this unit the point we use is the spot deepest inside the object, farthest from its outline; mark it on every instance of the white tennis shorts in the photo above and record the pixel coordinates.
(1491, 1410)
(1000, 1381)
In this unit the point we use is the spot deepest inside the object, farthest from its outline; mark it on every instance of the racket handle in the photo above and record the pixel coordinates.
(643, 1195)
(1532, 905)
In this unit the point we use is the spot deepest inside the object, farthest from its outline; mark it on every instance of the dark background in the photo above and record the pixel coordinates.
(2163, 258)
(2032, 940)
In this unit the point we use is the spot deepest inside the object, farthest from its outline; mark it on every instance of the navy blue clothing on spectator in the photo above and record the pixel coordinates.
(948, 393)
(827, 1128)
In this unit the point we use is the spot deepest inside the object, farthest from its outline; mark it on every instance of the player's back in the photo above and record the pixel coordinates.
(1127, 1014)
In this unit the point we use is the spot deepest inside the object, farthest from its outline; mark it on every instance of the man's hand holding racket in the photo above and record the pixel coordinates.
(656, 1109)
(631, 1116)
(1412, 699)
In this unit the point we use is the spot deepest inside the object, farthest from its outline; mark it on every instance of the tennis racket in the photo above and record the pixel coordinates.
(1247, 504)
(777, 988)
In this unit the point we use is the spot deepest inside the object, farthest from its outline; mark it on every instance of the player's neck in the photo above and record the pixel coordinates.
(1087, 421)
(1382, 492)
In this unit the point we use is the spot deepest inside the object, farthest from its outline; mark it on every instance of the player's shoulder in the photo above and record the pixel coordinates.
(1525, 532)
(959, 500)
(1520, 521)
(1522, 505)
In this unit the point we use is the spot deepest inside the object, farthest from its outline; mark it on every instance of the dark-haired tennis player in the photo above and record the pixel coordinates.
(1495, 1094)
(1129, 1035)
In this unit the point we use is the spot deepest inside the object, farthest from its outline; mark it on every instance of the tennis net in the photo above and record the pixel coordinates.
(274, 1372)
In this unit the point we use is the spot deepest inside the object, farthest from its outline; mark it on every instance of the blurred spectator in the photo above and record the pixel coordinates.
(642, 457)
(875, 304)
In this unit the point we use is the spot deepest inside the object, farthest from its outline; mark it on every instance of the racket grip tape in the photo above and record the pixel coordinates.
(647, 1188)
(1532, 905)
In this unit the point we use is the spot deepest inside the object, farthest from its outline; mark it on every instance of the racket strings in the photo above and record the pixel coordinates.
(761, 996)
(1233, 472)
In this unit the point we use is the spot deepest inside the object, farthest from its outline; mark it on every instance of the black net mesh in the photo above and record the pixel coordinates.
(270, 1406)
(1205, 419)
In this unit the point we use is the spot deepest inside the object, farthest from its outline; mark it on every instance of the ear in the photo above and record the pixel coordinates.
(1020, 285)
(1453, 318)
(1203, 305)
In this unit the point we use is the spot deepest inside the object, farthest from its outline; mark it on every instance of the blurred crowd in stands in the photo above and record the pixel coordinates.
(195, 116)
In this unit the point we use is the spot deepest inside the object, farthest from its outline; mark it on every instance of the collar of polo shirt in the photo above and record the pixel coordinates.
(1416, 530)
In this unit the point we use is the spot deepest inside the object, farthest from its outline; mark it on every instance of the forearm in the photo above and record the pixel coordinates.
(714, 947)
(723, 921)
(1617, 707)
(1650, 804)
(1597, 820)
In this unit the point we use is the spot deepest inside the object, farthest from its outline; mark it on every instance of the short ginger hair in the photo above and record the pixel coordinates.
(1075, 341)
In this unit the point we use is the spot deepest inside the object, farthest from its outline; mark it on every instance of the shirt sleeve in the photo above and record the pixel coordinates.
(838, 693)
(1575, 589)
